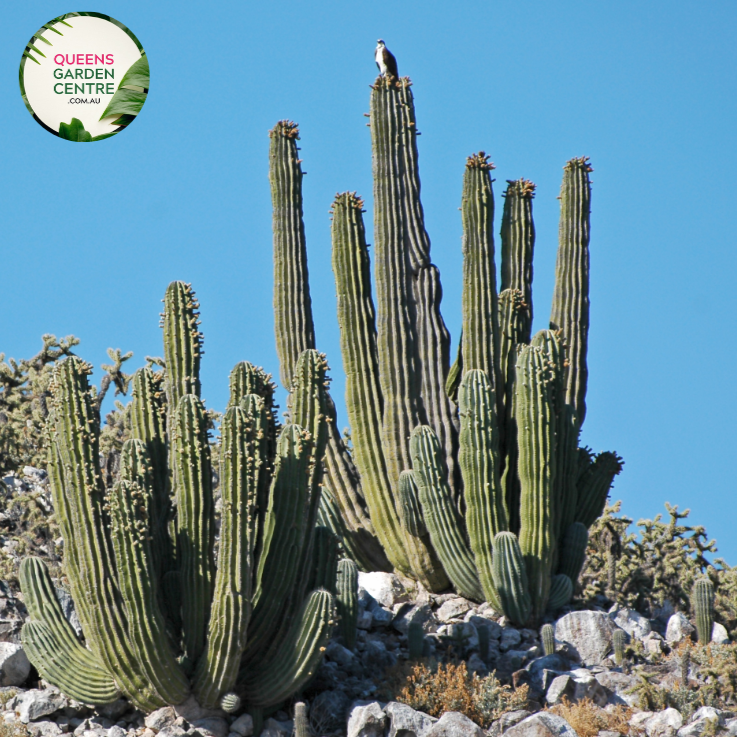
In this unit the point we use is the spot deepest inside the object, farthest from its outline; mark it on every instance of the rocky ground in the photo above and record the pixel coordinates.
(352, 693)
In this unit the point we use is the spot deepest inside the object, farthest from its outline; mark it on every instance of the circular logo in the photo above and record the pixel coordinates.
(84, 76)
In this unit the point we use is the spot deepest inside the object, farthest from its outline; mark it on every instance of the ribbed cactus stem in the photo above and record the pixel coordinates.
(295, 659)
(195, 521)
(242, 464)
(547, 635)
(148, 424)
(182, 342)
(702, 602)
(510, 578)
(443, 522)
(347, 601)
(561, 592)
(364, 396)
(301, 722)
(78, 503)
(573, 550)
(619, 641)
(285, 528)
(410, 509)
(415, 640)
(324, 561)
(146, 630)
(480, 339)
(535, 413)
(52, 645)
(295, 331)
(570, 312)
(594, 485)
(486, 510)
(518, 240)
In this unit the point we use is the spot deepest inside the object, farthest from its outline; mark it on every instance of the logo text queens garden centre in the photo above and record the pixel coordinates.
(84, 76)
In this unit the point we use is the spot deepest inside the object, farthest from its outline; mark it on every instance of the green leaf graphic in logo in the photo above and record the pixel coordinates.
(74, 131)
(131, 94)
(38, 37)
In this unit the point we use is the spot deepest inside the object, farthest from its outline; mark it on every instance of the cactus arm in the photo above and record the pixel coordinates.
(347, 601)
(195, 522)
(486, 512)
(535, 411)
(442, 520)
(561, 592)
(364, 397)
(594, 485)
(148, 424)
(182, 342)
(573, 550)
(52, 645)
(518, 241)
(79, 503)
(410, 509)
(433, 339)
(480, 339)
(323, 566)
(284, 534)
(129, 503)
(67, 667)
(242, 450)
(570, 312)
(328, 515)
(702, 600)
(510, 578)
(296, 659)
(295, 331)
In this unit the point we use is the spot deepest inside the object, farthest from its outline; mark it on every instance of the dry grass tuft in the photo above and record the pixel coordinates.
(588, 719)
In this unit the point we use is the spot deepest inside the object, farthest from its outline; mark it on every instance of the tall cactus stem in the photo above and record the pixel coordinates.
(347, 601)
(702, 602)
(547, 635)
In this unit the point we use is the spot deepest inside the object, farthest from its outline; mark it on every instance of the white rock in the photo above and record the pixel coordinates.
(243, 726)
(707, 717)
(719, 634)
(542, 724)
(653, 643)
(575, 686)
(406, 722)
(160, 718)
(407, 614)
(453, 609)
(462, 632)
(633, 623)
(14, 665)
(381, 617)
(384, 587)
(588, 633)
(708, 712)
(116, 731)
(455, 724)
(366, 720)
(44, 729)
(664, 723)
(218, 727)
(34, 704)
(478, 621)
(364, 619)
(678, 629)
(617, 686)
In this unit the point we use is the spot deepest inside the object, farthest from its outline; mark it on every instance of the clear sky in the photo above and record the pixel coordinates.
(91, 235)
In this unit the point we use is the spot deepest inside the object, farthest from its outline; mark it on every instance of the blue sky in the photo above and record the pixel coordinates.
(91, 235)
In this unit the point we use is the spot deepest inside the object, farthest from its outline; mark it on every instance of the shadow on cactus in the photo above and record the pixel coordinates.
(160, 619)
(468, 475)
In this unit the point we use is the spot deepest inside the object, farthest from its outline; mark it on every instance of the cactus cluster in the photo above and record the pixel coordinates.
(469, 475)
(160, 618)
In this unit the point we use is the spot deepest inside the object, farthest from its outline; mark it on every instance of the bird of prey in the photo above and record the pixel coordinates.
(385, 60)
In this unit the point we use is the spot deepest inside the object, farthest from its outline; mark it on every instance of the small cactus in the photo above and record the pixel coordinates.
(301, 723)
(547, 635)
(619, 640)
(347, 601)
(415, 640)
(483, 632)
(230, 702)
(702, 602)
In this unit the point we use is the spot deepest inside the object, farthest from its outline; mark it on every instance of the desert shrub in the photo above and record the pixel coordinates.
(436, 688)
(660, 564)
(588, 719)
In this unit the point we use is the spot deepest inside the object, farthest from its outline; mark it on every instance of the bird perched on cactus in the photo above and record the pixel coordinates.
(385, 60)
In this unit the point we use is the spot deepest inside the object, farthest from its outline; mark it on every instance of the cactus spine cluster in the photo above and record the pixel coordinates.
(160, 618)
(702, 601)
(470, 474)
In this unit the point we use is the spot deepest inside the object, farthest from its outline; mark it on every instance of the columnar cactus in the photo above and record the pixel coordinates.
(347, 601)
(547, 635)
(702, 602)
(619, 640)
(160, 618)
(471, 474)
